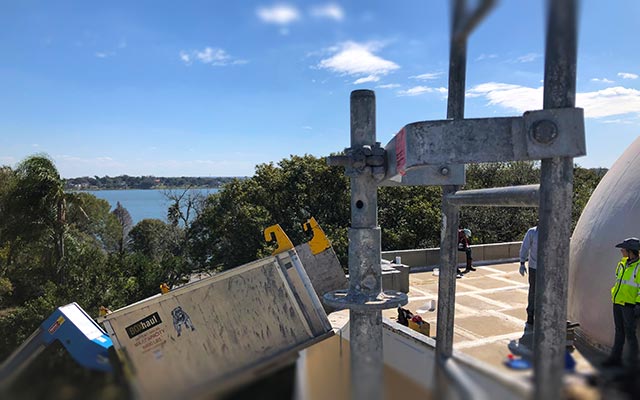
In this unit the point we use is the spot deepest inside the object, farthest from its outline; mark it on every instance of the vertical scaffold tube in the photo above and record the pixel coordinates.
(365, 274)
(450, 212)
(556, 187)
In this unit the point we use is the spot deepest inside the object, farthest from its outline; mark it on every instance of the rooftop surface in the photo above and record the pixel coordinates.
(489, 313)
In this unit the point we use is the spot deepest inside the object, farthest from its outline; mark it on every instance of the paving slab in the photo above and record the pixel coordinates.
(476, 283)
(520, 313)
(489, 312)
(476, 303)
(486, 325)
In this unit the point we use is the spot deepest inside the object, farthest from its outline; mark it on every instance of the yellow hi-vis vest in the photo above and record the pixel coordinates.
(626, 290)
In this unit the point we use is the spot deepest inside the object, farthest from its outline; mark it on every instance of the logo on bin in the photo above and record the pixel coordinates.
(143, 325)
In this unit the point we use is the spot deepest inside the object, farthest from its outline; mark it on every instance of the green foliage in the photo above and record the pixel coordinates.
(57, 248)
(90, 215)
(500, 224)
(155, 238)
(34, 205)
(228, 232)
(6, 289)
(409, 217)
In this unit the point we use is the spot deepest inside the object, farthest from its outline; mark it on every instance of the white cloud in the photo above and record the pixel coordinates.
(428, 76)
(418, 90)
(601, 80)
(210, 55)
(186, 58)
(627, 75)
(388, 86)
(307, 128)
(621, 121)
(358, 59)
(279, 14)
(610, 101)
(528, 57)
(104, 54)
(486, 56)
(331, 11)
(515, 97)
(602, 103)
(370, 78)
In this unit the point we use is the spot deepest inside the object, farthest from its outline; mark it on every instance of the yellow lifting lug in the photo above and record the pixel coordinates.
(103, 311)
(319, 241)
(164, 288)
(274, 233)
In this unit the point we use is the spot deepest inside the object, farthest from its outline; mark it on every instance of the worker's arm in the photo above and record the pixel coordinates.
(524, 251)
(526, 245)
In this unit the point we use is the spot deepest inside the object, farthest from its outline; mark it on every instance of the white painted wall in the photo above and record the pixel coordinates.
(611, 215)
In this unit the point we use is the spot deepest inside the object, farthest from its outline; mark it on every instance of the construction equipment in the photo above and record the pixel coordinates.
(208, 336)
(83, 338)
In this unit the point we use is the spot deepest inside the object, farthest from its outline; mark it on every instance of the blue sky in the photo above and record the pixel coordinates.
(212, 88)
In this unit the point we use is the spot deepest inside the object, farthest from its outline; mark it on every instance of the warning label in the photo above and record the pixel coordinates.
(150, 339)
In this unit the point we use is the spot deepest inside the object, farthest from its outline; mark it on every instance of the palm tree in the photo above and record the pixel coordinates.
(37, 205)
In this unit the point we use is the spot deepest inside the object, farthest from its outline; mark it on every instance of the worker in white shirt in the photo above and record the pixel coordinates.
(529, 250)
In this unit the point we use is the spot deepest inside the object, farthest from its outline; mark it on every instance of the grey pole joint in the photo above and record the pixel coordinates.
(364, 163)
(365, 159)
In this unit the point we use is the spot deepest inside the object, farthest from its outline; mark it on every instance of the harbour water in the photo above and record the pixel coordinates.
(143, 204)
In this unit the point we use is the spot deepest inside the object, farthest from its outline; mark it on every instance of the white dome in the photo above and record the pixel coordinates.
(611, 215)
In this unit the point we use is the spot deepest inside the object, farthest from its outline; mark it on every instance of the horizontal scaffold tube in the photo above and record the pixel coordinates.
(512, 196)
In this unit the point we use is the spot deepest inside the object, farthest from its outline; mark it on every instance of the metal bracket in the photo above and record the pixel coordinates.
(429, 175)
(341, 299)
(445, 143)
(364, 159)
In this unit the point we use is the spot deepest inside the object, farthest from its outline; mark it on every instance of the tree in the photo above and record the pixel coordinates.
(500, 224)
(126, 223)
(184, 206)
(155, 239)
(90, 215)
(409, 216)
(35, 206)
(229, 231)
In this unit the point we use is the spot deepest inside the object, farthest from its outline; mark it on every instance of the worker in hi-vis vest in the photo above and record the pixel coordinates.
(625, 295)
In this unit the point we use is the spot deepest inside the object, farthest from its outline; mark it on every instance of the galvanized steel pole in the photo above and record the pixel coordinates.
(365, 274)
(555, 206)
(511, 196)
(450, 213)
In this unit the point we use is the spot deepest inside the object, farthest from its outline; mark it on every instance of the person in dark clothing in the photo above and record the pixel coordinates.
(529, 251)
(463, 245)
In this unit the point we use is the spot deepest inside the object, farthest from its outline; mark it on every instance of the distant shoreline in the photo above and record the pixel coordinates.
(125, 182)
